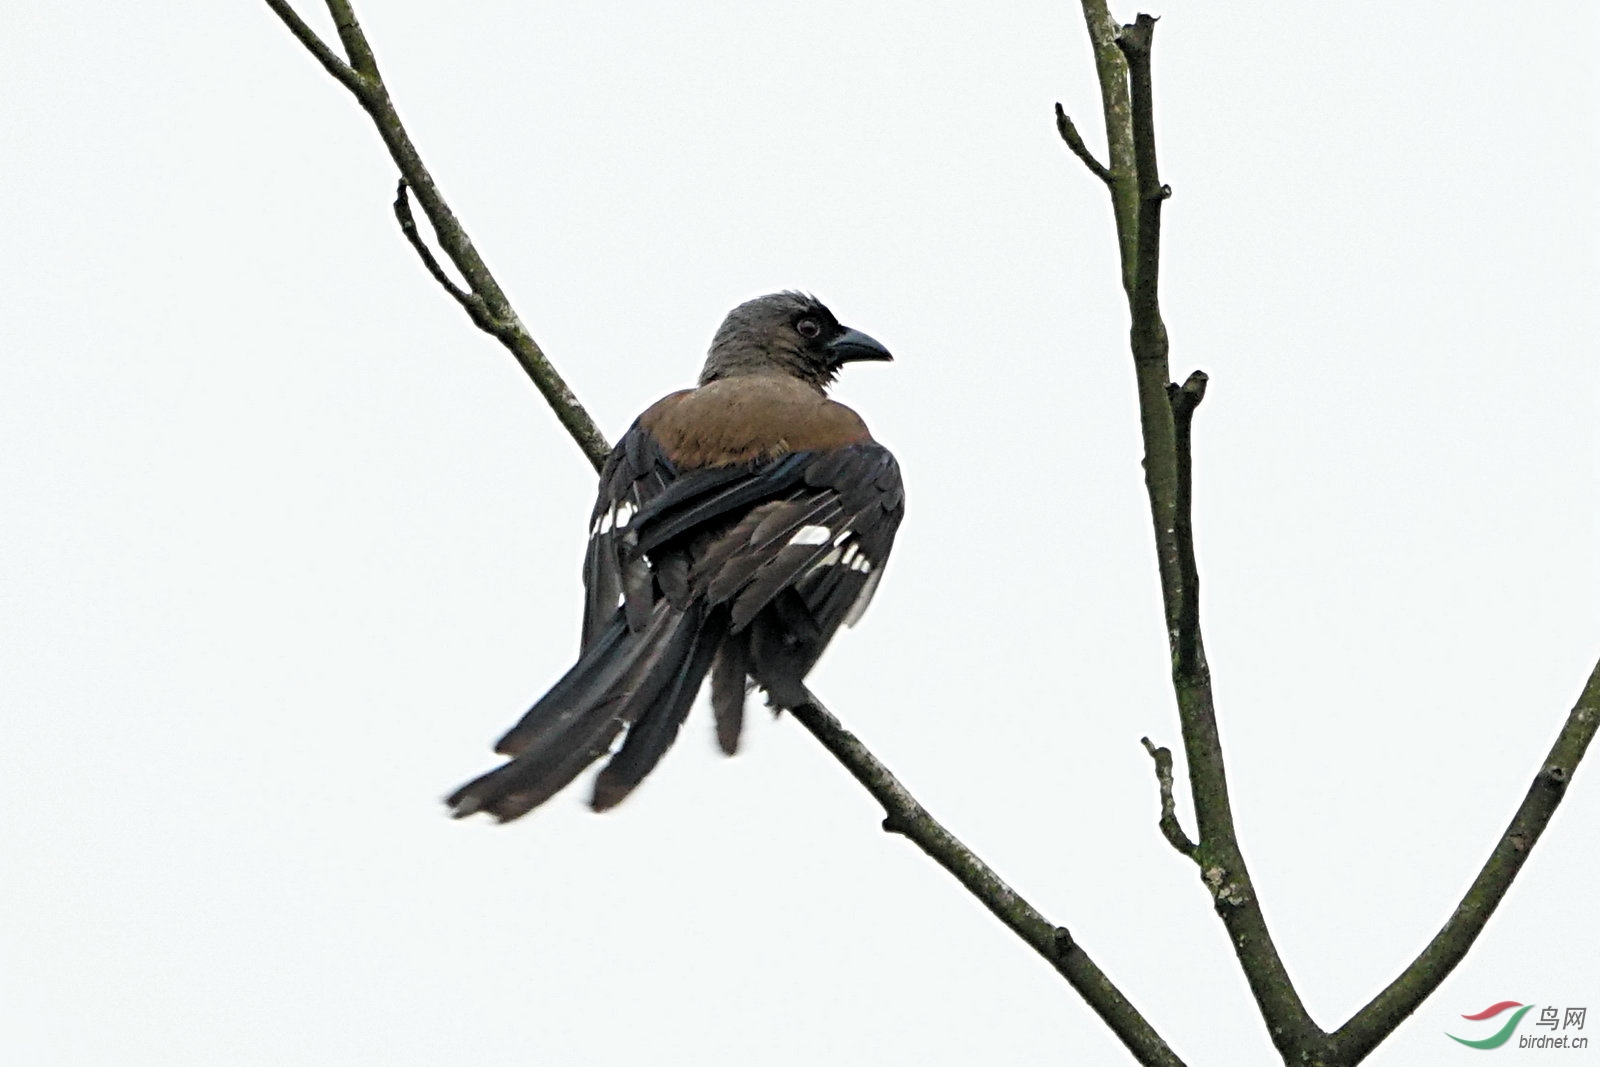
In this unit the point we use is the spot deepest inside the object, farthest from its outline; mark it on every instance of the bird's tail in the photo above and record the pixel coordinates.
(644, 680)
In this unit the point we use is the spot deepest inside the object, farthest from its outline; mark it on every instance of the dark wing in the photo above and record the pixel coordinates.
(790, 571)
(867, 479)
(824, 533)
(820, 523)
(791, 548)
(636, 472)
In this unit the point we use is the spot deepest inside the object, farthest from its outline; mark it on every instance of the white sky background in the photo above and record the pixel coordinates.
(287, 543)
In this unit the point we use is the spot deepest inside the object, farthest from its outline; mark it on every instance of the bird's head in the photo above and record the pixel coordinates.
(786, 333)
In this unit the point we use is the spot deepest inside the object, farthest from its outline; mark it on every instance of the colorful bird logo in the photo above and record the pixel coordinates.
(1499, 1038)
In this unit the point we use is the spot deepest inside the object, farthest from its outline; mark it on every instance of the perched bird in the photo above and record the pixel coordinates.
(738, 525)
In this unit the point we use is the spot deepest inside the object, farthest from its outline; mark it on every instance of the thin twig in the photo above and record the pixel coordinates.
(1069, 133)
(1171, 829)
(1378, 1019)
(905, 816)
(317, 47)
(497, 318)
(471, 302)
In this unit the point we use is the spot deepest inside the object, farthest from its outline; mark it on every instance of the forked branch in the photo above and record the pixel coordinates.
(489, 307)
(1166, 416)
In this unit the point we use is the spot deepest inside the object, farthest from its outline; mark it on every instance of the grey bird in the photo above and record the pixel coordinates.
(739, 524)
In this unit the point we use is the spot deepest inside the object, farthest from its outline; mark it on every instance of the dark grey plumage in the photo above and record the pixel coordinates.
(760, 336)
(737, 527)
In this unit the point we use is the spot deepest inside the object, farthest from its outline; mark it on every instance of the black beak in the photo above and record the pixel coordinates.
(853, 346)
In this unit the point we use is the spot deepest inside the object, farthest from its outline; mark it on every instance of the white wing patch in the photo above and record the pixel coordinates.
(616, 517)
(846, 550)
(811, 535)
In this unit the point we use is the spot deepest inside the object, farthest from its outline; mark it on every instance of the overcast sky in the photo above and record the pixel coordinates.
(287, 543)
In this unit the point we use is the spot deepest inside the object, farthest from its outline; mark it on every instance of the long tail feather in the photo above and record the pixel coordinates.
(513, 789)
(653, 732)
(622, 679)
(728, 687)
(600, 670)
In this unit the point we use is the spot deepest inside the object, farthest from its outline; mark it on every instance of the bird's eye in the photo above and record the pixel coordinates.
(808, 328)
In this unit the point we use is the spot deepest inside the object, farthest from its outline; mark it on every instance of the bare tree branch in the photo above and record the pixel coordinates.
(905, 816)
(1378, 1019)
(1166, 417)
(1165, 412)
(496, 316)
